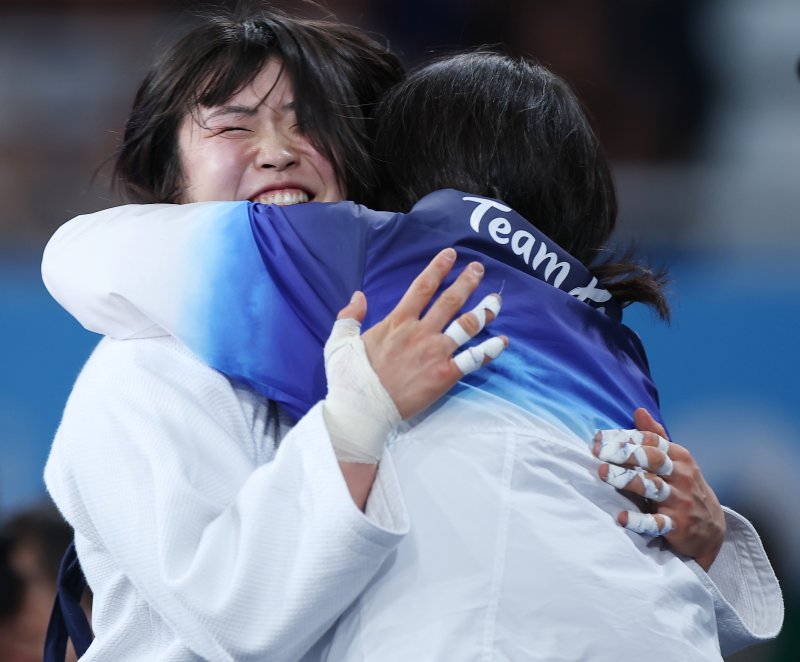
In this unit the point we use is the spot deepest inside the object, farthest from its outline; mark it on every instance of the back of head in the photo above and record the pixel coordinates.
(501, 127)
(337, 72)
(506, 128)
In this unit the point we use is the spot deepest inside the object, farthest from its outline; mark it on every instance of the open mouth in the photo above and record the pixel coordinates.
(283, 197)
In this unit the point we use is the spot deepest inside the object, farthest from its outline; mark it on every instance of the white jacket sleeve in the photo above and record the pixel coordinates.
(747, 598)
(122, 272)
(154, 463)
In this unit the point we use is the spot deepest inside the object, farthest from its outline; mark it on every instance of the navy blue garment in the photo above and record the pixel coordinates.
(68, 620)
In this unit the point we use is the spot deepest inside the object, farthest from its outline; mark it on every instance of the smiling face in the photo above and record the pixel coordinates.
(251, 148)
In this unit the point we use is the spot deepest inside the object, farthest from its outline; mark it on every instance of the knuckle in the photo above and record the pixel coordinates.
(443, 371)
(650, 439)
(469, 323)
(681, 453)
(450, 299)
(427, 284)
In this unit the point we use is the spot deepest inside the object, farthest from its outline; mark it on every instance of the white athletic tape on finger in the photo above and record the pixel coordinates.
(359, 412)
(653, 491)
(457, 333)
(633, 436)
(620, 452)
(621, 477)
(647, 524)
(618, 446)
(666, 468)
(471, 359)
(491, 302)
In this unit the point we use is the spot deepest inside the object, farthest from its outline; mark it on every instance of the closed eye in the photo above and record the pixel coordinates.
(231, 129)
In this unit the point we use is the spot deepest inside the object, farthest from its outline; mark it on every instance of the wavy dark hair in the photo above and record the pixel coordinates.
(338, 74)
(508, 128)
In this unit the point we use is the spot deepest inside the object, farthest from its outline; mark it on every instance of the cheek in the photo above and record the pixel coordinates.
(327, 176)
(213, 171)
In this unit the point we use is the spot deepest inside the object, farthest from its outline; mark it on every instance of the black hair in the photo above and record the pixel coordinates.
(507, 128)
(338, 74)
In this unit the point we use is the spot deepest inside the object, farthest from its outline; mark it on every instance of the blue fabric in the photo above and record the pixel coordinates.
(276, 283)
(68, 620)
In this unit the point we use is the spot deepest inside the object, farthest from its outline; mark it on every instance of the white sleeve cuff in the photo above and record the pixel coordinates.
(747, 598)
(385, 519)
(386, 507)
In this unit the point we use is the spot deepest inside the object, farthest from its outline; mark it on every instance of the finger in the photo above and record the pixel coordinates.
(622, 437)
(644, 421)
(654, 440)
(472, 323)
(343, 330)
(454, 297)
(627, 447)
(421, 291)
(474, 357)
(356, 309)
(636, 480)
(645, 523)
(347, 324)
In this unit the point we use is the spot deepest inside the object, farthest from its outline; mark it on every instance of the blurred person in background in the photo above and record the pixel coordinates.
(32, 542)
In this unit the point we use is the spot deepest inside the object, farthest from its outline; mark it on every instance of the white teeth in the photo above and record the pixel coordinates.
(283, 198)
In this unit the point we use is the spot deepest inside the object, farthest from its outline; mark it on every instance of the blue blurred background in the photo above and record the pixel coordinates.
(696, 102)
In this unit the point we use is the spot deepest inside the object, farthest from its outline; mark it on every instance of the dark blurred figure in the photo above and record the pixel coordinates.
(32, 542)
(637, 66)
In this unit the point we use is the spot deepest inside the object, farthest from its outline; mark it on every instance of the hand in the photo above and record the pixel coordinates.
(683, 508)
(412, 357)
(402, 364)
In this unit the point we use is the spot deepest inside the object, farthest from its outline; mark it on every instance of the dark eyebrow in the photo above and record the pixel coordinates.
(245, 111)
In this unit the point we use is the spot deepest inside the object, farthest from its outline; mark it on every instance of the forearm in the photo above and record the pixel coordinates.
(235, 285)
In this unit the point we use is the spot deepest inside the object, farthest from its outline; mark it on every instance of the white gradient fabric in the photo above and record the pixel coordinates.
(534, 567)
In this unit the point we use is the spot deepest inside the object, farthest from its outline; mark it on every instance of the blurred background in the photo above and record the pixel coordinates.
(696, 101)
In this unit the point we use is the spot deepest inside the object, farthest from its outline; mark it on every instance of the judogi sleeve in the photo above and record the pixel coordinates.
(152, 465)
(233, 281)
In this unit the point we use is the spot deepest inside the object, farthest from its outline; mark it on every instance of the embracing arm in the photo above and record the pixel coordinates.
(234, 292)
(721, 547)
(149, 464)
(123, 272)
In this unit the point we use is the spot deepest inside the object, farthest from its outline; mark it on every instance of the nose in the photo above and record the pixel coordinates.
(275, 152)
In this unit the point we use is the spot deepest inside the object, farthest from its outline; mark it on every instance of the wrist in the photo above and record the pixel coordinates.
(359, 413)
